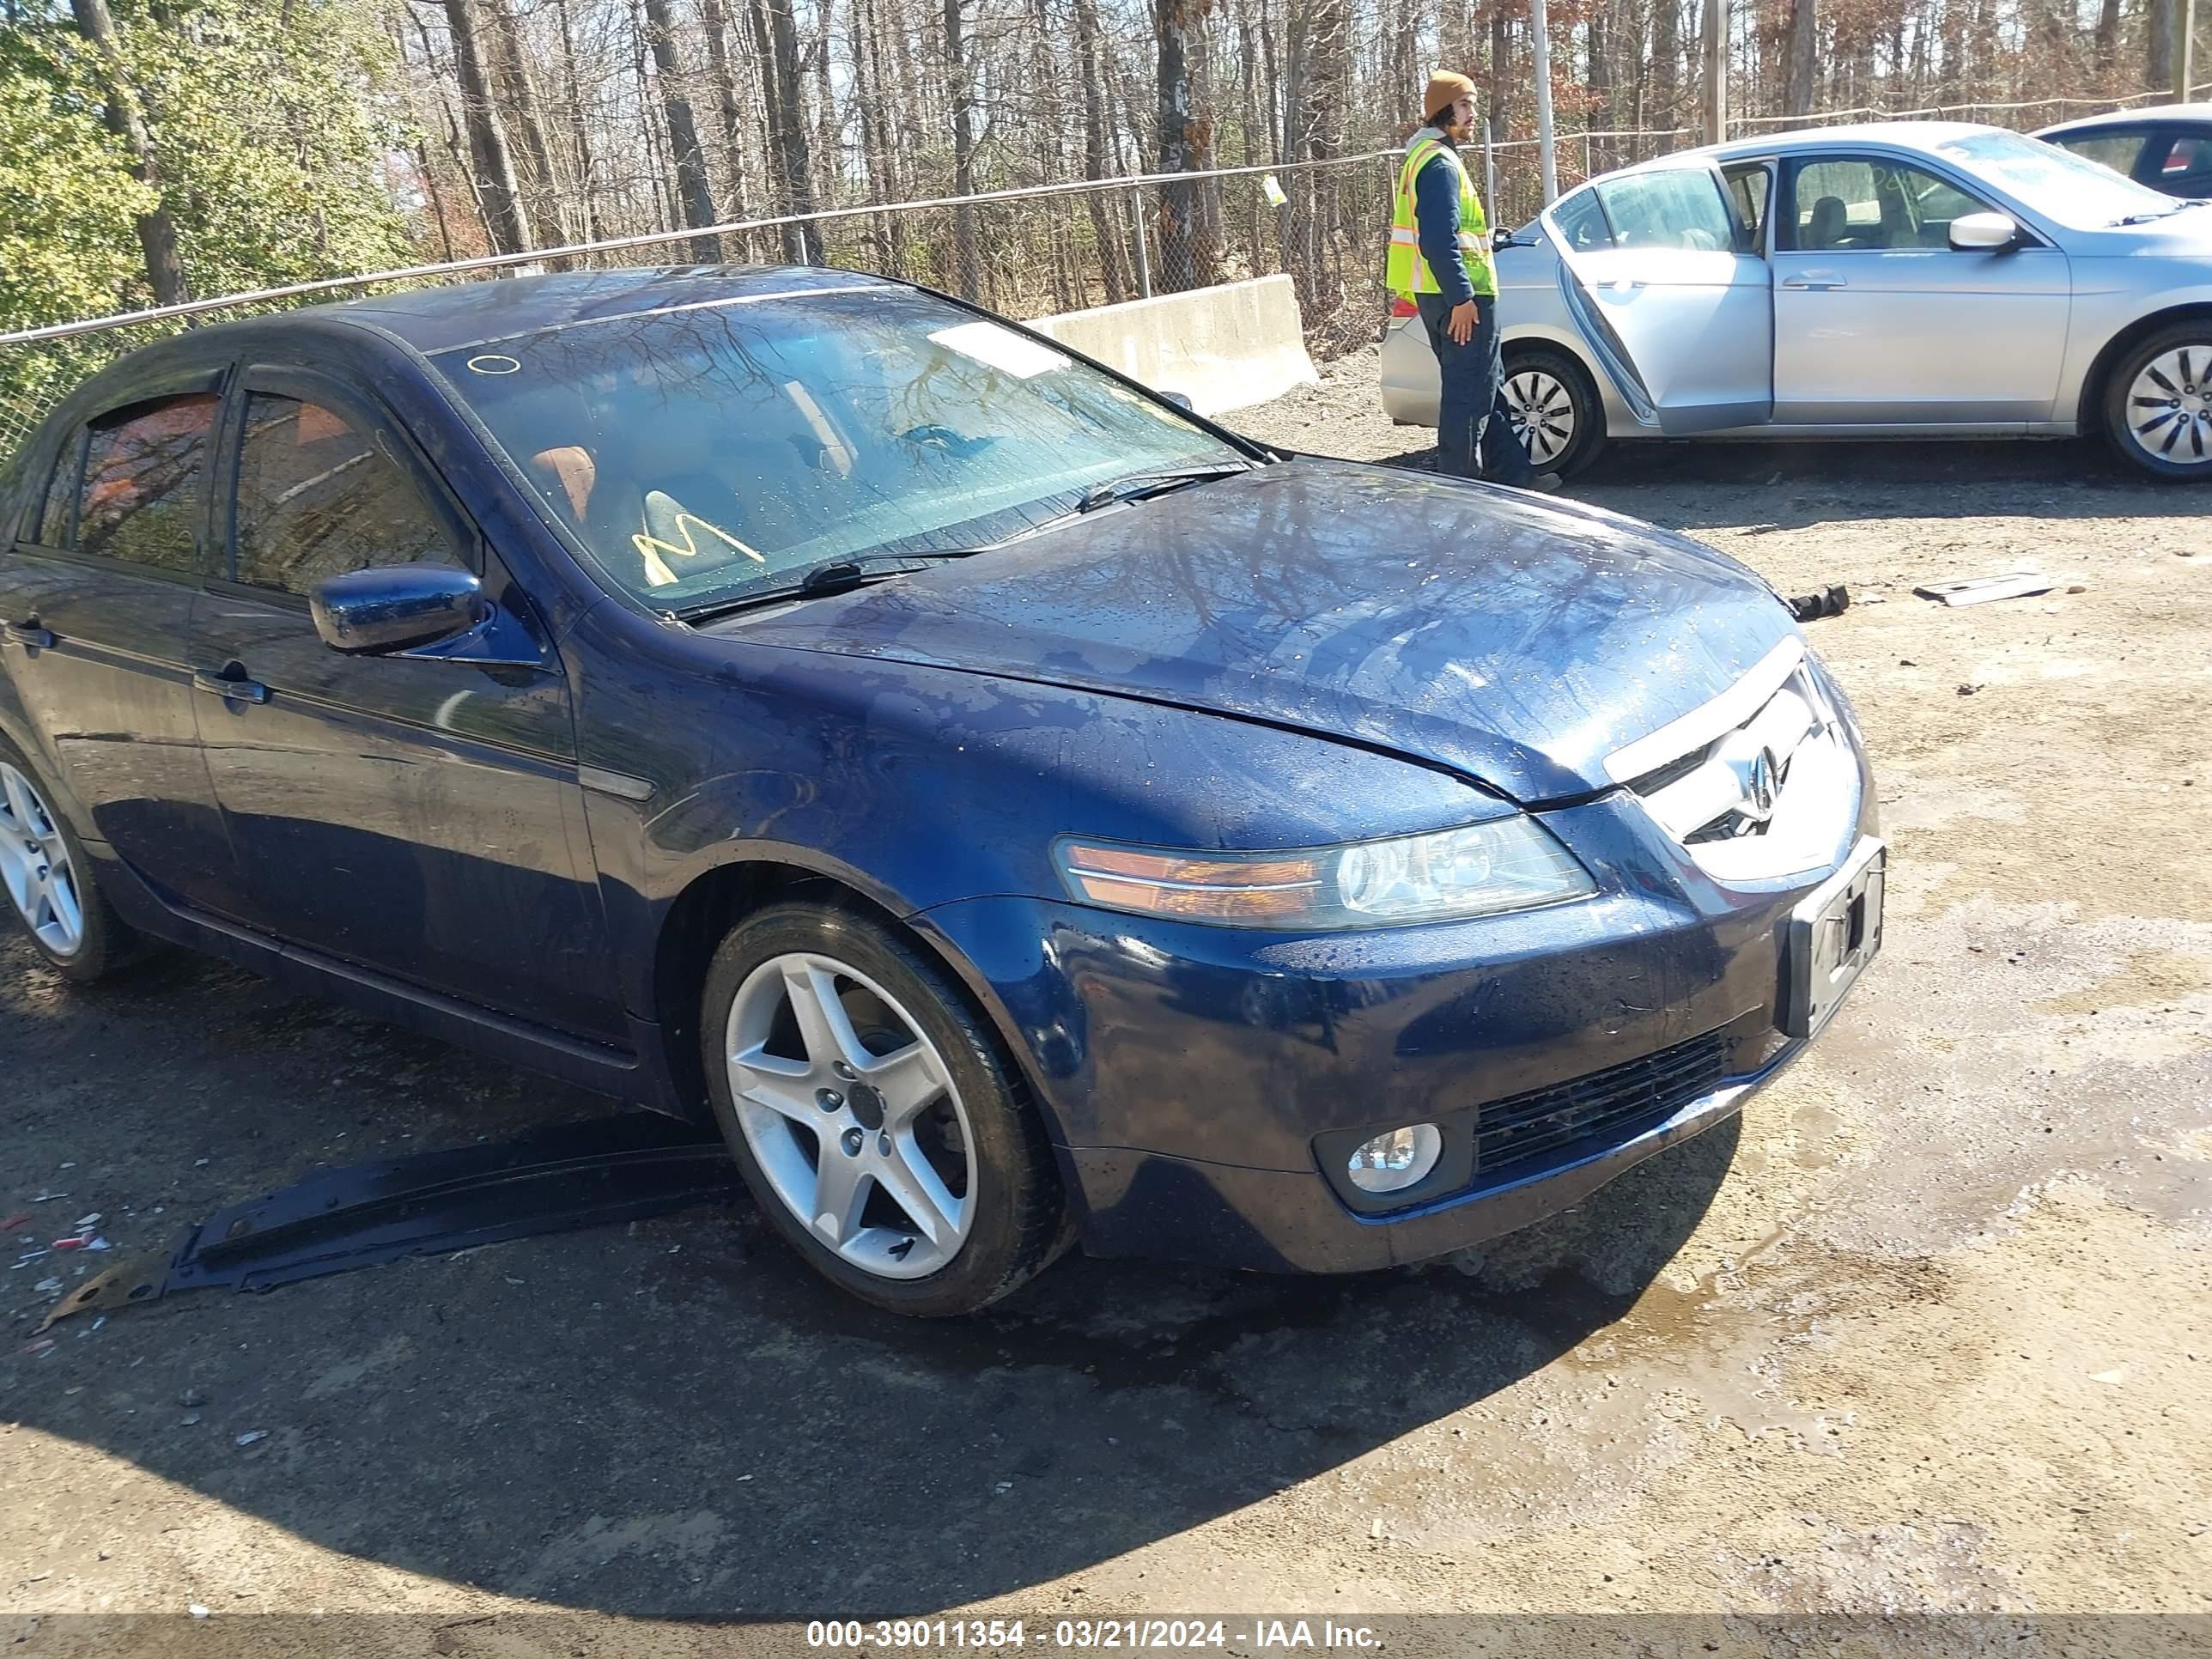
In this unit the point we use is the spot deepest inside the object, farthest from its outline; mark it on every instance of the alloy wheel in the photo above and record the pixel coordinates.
(1542, 408)
(35, 867)
(2169, 415)
(852, 1115)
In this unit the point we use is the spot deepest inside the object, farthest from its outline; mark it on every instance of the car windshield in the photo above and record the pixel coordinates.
(705, 452)
(2077, 192)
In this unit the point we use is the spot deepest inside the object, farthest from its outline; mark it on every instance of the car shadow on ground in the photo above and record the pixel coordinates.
(1779, 486)
(675, 1418)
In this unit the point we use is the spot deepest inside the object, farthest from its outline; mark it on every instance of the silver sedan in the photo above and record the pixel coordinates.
(1898, 280)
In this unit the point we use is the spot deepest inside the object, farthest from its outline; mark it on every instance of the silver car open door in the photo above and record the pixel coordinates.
(1658, 273)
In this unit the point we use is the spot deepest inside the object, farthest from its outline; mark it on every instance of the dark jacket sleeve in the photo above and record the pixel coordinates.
(1436, 218)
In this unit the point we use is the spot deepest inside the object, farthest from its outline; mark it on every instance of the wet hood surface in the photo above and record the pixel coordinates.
(1512, 639)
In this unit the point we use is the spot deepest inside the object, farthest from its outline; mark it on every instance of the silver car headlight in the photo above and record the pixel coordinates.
(1507, 864)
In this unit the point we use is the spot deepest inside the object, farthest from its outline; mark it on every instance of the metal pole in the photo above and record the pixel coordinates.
(2184, 48)
(1545, 147)
(1144, 253)
(1490, 165)
(1716, 48)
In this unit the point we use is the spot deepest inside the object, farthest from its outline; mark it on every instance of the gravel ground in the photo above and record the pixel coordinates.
(1928, 1331)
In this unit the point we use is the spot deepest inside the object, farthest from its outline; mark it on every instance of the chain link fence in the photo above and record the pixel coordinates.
(1029, 253)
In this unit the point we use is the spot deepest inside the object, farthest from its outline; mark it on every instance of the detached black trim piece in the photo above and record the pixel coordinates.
(622, 1167)
(1831, 601)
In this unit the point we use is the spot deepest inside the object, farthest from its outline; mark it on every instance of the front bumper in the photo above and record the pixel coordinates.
(1192, 1074)
(1145, 1204)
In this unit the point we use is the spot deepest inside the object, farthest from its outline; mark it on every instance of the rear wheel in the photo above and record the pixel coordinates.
(49, 881)
(2157, 403)
(871, 1114)
(1556, 410)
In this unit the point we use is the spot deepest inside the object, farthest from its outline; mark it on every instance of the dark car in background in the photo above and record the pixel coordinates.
(1013, 810)
(2168, 148)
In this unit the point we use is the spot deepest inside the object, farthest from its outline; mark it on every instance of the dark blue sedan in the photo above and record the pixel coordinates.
(1017, 811)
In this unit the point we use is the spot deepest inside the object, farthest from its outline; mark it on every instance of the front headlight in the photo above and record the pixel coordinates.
(1507, 864)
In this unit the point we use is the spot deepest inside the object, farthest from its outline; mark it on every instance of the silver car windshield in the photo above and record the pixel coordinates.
(2071, 189)
(706, 451)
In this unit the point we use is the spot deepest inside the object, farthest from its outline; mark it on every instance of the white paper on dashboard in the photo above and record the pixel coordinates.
(1000, 349)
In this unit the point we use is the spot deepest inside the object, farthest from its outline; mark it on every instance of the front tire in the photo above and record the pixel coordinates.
(1555, 407)
(48, 879)
(872, 1115)
(2158, 403)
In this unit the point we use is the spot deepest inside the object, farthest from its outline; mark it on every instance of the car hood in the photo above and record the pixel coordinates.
(1513, 640)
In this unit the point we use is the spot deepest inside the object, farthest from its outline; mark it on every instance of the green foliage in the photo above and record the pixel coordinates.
(270, 120)
(68, 206)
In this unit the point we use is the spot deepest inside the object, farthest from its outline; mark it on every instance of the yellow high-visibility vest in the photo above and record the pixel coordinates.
(1405, 272)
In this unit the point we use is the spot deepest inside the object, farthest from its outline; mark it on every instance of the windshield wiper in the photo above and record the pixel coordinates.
(2162, 213)
(1136, 486)
(831, 576)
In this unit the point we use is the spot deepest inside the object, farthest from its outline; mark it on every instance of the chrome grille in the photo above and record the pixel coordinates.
(1760, 782)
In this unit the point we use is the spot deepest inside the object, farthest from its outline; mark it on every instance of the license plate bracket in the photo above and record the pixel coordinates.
(1835, 932)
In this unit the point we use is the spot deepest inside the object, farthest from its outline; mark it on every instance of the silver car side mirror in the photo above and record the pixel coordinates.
(1985, 232)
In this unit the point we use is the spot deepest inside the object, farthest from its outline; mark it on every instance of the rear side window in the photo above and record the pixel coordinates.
(2120, 151)
(141, 497)
(318, 496)
(50, 525)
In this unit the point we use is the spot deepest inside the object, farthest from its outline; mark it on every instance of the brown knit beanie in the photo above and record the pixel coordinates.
(1446, 87)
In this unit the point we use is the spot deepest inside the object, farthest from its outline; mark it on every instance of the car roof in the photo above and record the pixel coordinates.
(1905, 134)
(2136, 118)
(435, 319)
(1908, 135)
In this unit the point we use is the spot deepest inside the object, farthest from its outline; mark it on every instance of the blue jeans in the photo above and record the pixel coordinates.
(1475, 438)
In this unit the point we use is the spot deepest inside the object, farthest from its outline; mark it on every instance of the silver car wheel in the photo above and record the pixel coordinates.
(1543, 411)
(2170, 407)
(35, 867)
(852, 1115)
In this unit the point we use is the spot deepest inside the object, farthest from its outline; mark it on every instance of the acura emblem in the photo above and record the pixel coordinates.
(1757, 777)
(1758, 787)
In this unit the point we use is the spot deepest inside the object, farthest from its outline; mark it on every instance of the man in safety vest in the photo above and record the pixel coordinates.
(1440, 260)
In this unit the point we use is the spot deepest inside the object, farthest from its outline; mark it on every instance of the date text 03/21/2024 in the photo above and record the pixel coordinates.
(988, 1635)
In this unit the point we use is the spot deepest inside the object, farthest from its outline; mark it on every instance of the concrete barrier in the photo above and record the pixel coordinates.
(1224, 347)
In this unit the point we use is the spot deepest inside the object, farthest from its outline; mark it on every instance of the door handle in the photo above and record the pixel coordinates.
(1818, 282)
(30, 634)
(231, 689)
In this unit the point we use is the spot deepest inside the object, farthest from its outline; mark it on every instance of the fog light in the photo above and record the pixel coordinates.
(1394, 1162)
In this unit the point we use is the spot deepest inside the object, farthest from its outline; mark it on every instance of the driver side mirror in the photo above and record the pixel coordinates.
(1985, 232)
(395, 608)
(1181, 400)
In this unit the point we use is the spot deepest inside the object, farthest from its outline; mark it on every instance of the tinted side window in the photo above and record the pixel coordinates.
(50, 527)
(2186, 165)
(1682, 209)
(142, 492)
(317, 497)
(2120, 151)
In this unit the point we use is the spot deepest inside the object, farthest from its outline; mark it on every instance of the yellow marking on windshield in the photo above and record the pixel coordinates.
(650, 547)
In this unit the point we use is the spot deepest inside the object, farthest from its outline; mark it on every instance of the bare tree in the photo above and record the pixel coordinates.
(775, 38)
(157, 232)
(695, 199)
(1802, 53)
(518, 111)
(959, 77)
(497, 187)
